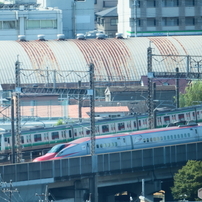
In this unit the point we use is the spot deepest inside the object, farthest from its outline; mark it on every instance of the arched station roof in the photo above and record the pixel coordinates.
(114, 59)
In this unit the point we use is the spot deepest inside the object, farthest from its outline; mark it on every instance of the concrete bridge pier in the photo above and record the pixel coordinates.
(81, 190)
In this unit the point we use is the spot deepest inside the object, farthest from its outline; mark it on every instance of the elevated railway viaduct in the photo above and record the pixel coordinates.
(71, 179)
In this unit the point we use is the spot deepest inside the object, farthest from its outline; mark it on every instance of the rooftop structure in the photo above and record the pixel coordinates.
(115, 60)
(24, 20)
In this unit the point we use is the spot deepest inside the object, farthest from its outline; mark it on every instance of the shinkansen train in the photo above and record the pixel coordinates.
(129, 141)
(46, 137)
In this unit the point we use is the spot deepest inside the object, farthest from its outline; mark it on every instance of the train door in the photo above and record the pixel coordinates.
(159, 122)
(70, 133)
(188, 116)
(121, 141)
(87, 147)
(3, 145)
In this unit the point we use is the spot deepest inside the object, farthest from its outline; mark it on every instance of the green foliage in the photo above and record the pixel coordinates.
(192, 95)
(187, 181)
(59, 122)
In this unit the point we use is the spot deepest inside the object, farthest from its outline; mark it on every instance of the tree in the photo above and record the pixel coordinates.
(59, 122)
(192, 94)
(187, 181)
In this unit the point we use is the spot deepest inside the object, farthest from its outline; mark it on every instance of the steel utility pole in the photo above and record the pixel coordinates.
(80, 103)
(93, 180)
(177, 88)
(12, 129)
(18, 112)
(135, 10)
(150, 85)
(10, 191)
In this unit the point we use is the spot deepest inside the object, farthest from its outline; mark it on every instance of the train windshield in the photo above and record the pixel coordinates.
(57, 148)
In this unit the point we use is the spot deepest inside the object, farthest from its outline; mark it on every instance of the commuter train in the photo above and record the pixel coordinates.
(130, 141)
(46, 137)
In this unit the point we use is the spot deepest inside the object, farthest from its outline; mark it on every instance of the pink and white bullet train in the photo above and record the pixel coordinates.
(130, 141)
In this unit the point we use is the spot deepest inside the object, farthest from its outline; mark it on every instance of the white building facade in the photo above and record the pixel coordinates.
(78, 15)
(30, 21)
(159, 17)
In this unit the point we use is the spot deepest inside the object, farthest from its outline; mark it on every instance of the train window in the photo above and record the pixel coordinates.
(144, 140)
(22, 139)
(109, 145)
(185, 135)
(105, 128)
(121, 126)
(150, 139)
(97, 146)
(178, 136)
(161, 138)
(124, 140)
(87, 132)
(171, 137)
(164, 137)
(168, 137)
(37, 137)
(139, 123)
(154, 139)
(100, 145)
(181, 135)
(147, 139)
(181, 117)
(112, 144)
(55, 135)
(166, 119)
(188, 134)
(116, 144)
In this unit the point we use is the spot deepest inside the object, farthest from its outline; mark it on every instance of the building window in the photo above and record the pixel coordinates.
(102, 21)
(113, 22)
(8, 25)
(151, 3)
(37, 137)
(170, 3)
(151, 22)
(45, 24)
(189, 2)
(170, 22)
(41, 24)
(189, 21)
